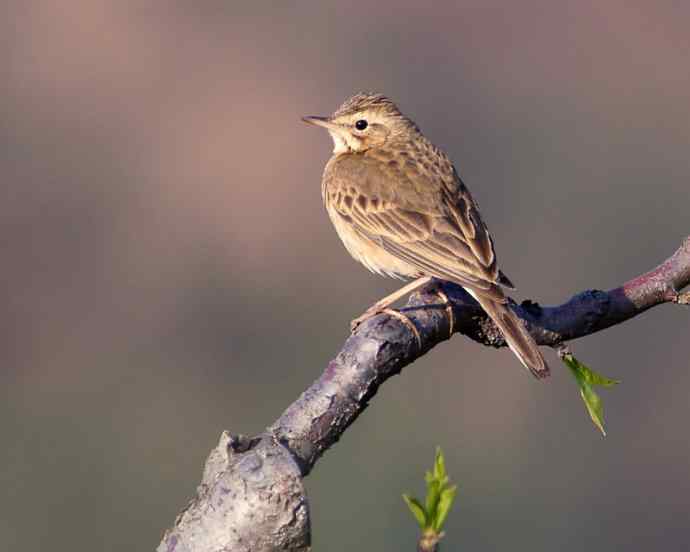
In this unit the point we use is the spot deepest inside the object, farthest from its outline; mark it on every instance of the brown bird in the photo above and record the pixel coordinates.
(402, 211)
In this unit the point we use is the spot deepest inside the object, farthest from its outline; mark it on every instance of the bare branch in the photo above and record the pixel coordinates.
(268, 468)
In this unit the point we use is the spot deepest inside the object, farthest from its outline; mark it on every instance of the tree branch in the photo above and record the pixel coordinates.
(251, 496)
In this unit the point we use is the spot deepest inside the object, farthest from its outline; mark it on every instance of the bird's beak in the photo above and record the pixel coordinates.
(324, 122)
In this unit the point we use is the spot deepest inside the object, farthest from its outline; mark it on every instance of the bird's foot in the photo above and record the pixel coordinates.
(366, 315)
(373, 311)
(449, 309)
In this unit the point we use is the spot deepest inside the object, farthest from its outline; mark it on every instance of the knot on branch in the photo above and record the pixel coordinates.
(251, 498)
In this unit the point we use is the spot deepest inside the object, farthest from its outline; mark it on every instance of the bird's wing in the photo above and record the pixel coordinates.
(433, 226)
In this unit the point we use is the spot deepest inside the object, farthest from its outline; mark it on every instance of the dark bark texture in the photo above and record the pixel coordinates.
(251, 497)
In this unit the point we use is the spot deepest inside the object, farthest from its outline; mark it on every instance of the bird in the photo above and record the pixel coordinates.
(400, 208)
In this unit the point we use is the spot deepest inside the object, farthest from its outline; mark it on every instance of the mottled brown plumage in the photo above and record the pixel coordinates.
(401, 210)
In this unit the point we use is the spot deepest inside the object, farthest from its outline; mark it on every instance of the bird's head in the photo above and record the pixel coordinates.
(363, 122)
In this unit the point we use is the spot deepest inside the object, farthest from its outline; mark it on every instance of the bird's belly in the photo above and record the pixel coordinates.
(371, 254)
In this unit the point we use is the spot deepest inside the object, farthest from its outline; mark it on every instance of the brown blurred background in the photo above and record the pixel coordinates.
(169, 271)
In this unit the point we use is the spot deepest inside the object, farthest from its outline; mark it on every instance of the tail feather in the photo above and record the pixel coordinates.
(516, 335)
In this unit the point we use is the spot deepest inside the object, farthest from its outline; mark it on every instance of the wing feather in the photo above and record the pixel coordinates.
(433, 225)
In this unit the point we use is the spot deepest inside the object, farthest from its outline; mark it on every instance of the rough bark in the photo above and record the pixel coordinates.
(251, 497)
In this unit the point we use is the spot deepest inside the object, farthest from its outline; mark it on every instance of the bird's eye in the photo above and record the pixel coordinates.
(361, 124)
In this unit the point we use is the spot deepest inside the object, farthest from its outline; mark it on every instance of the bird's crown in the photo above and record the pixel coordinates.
(366, 101)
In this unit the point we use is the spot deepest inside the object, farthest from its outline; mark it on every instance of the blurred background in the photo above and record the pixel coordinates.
(169, 270)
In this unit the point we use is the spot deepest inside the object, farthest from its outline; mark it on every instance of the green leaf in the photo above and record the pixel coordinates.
(586, 379)
(433, 495)
(438, 501)
(417, 510)
(440, 467)
(594, 406)
(582, 372)
(444, 505)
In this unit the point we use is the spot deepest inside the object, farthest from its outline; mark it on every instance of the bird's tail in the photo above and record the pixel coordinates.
(516, 335)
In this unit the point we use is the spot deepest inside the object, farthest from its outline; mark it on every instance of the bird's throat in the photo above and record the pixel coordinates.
(339, 144)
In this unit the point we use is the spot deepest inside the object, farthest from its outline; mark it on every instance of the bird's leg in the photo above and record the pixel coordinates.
(383, 304)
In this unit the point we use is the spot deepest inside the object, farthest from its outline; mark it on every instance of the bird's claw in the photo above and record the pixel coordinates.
(369, 313)
(393, 313)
